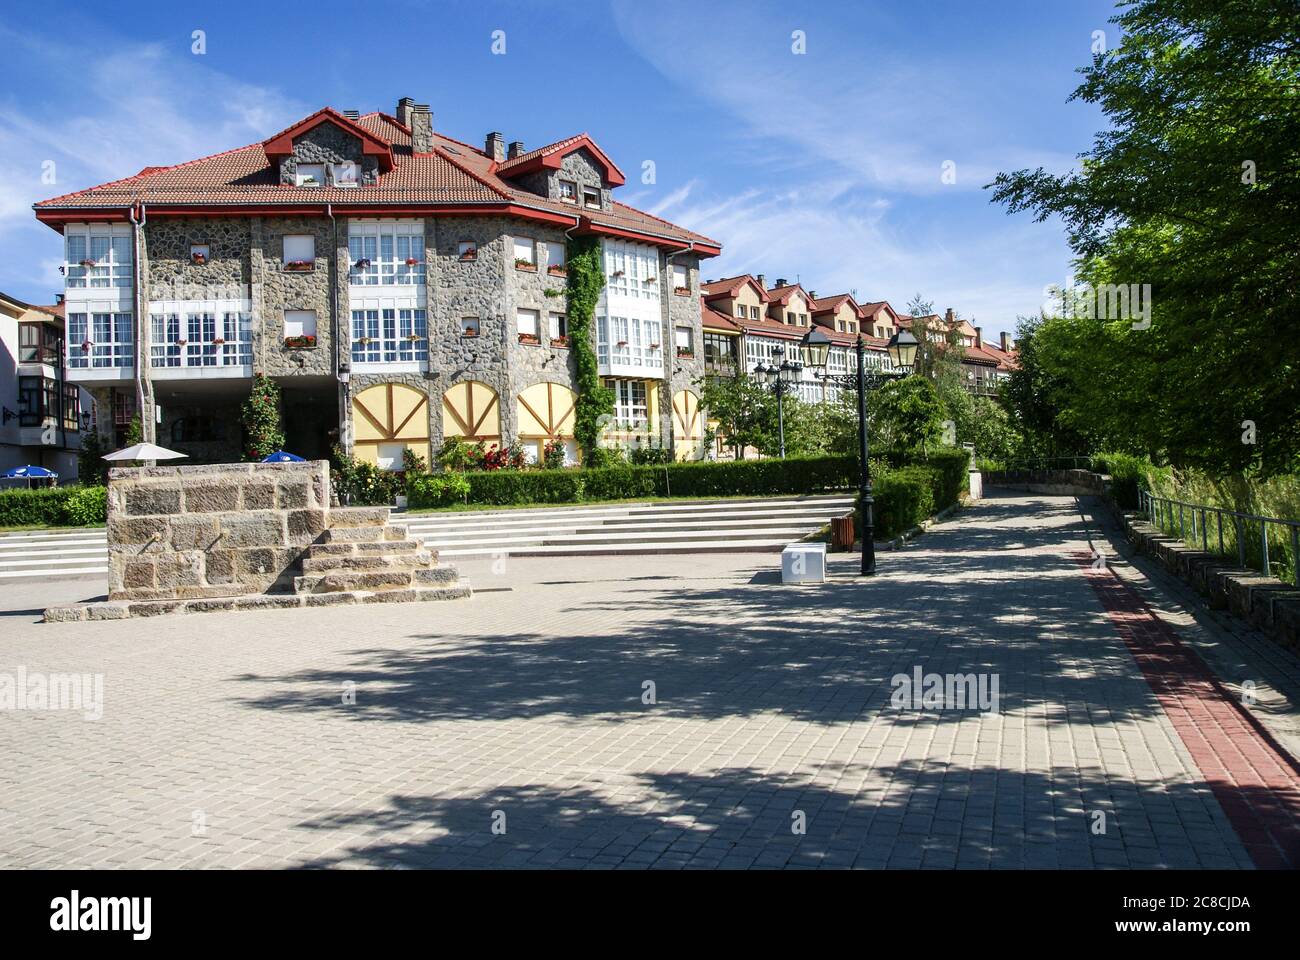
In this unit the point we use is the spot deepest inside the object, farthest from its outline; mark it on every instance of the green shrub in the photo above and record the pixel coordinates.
(499, 487)
(73, 506)
(1128, 475)
(436, 489)
(620, 482)
(903, 498)
(85, 506)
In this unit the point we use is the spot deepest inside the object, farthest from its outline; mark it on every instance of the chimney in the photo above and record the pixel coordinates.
(515, 149)
(949, 318)
(1006, 342)
(58, 299)
(495, 146)
(404, 108)
(979, 336)
(762, 281)
(812, 294)
(421, 129)
(780, 282)
(352, 114)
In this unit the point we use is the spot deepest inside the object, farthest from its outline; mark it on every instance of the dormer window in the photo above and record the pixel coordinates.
(344, 175)
(591, 198)
(568, 191)
(310, 175)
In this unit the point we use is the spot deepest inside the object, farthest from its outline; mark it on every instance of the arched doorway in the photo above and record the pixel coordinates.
(471, 411)
(386, 419)
(688, 425)
(546, 412)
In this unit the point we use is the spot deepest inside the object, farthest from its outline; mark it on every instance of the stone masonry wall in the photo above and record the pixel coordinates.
(211, 531)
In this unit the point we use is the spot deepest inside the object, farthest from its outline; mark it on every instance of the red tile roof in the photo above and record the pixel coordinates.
(716, 320)
(782, 295)
(454, 174)
(730, 286)
(553, 153)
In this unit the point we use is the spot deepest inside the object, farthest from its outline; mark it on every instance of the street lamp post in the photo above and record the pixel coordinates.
(781, 379)
(902, 351)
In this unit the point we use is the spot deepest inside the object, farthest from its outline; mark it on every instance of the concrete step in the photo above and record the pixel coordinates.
(369, 580)
(640, 547)
(656, 506)
(352, 535)
(363, 562)
(367, 548)
(358, 516)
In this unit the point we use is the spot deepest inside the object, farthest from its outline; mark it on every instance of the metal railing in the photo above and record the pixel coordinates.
(1246, 534)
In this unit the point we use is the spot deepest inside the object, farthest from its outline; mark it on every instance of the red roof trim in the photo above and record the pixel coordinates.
(558, 151)
(281, 144)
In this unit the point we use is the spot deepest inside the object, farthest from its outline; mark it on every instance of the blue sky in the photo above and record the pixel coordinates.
(824, 166)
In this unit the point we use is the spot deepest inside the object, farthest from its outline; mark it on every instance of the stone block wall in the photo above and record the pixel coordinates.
(211, 531)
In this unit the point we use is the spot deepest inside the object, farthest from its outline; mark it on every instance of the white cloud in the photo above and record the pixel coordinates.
(100, 117)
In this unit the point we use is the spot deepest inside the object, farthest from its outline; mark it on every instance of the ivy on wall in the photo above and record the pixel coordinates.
(263, 433)
(585, 280)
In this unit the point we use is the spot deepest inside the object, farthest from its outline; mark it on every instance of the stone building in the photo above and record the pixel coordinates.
(400, 286)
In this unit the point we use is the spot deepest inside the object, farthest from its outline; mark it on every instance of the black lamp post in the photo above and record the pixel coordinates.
(781, 380)
(902, 351)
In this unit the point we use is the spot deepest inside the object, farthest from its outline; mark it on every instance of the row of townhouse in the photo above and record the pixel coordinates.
(747, 323)
(402, 287)
(42, 413)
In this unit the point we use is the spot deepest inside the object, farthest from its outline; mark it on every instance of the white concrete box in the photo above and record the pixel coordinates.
(803, 563)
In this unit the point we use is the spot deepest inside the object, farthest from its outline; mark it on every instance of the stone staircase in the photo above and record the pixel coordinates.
(365, 555)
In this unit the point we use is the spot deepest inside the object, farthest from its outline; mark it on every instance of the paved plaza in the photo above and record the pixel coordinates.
(512, 729)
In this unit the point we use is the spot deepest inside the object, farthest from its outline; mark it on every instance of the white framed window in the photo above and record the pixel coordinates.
(97, 255)
(467, 250)
(554, 254)
(100, 339)
(345, 175)
(390, 335)
(630, 408)
(681, 278)
(309, 174)
(389, 456)
(630, 269)
(469, 326)
(591, 198)
(683, 341)
(740, 311)
(525, 250)
(386, 253)
(527, 322)
(299, 323)
(299, 248)
(753, 313)
(568, 191)
(558, 326)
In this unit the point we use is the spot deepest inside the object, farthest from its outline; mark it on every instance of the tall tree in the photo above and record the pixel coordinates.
(745, 410)
(1195, 190)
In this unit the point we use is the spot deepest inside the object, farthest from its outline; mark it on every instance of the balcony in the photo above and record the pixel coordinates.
(201, 346)
(629, 347)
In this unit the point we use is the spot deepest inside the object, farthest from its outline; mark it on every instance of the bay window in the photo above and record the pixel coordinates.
(390, 335)
(630, 407)
(97, 256)
(100, 340)
(386, 253)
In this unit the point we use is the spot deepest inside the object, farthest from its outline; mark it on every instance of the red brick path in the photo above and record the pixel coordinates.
(1254, 779)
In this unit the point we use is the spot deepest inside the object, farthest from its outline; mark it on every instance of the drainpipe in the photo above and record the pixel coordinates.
(147, 427)
(345, 389)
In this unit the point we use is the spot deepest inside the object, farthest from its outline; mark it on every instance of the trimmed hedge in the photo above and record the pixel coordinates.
(903, 498)
(726, 478)
(73, 506)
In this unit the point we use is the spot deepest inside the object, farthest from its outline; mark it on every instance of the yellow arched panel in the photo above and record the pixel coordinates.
(387, 417)
(546, 410)
(471, 410)
(688, 425)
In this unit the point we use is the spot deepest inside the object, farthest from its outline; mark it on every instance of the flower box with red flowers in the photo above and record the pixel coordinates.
(682, 291)
(529, 338)
(522, 264)
(88, 263)
(86, 345)
(685, 352)
(559, 341)
(304, 342)
(218, 341)
(557, 270)
(300, 266)
(412, 261)
(198, 259)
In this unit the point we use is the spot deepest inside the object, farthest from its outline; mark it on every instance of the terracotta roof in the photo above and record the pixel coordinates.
(782, 295)
(730, 286)
(551, 155)
(716, 320)
(453, 174)
(53, 309)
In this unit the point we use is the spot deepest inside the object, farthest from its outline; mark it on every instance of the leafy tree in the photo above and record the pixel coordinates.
(745, 410)
(906, 415)
(92, 468)
(263, 434)
(135, 431)
(1195, 190)
(1041, 389)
